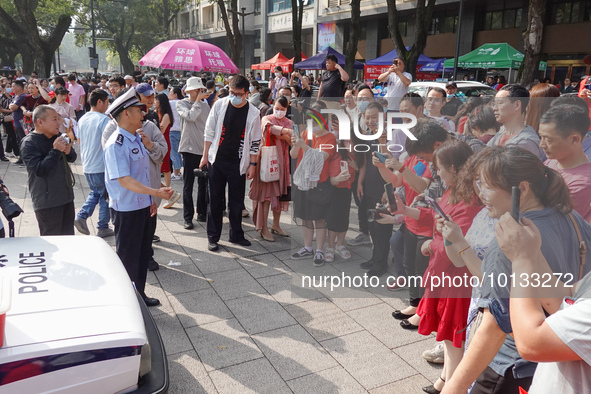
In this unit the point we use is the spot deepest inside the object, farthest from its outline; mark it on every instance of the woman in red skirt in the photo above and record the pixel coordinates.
(444, 307)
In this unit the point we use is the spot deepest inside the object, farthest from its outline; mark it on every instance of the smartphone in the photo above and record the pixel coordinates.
(389, 189)
(295, 130)
(344, 166)
(436, 207)
(381, 156)
(420, 168)
(515, 201)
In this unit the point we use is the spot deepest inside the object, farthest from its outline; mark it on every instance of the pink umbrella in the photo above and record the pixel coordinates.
(189, 55)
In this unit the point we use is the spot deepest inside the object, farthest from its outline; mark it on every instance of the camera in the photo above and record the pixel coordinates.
(395, 62)
(374, 214)
(10, 209)
(200, 172)
(66, 138)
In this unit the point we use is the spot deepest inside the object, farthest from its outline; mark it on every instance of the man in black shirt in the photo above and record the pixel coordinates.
(333, 83)
(232, 139)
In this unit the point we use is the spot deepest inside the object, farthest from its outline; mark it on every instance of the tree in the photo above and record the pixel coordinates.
(232, 32)
(351, 49)
(532, 41)
(423, 18)
(166, 11)
(129, 26)
(40, 27)
(297, 12)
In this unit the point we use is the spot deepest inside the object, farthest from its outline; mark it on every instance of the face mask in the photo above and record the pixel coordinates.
(9, 90)
(450, 95)
(362, 105)
(293, 96)
(279, 114)
(278, 75)
(217, 88)
(235, 100)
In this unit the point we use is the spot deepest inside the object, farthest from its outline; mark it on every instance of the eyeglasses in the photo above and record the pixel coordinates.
(482, 188)
(435, 100)
(239, 95)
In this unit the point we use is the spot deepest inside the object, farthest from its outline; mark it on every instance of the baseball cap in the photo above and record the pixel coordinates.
(145, 89)
(451, 84)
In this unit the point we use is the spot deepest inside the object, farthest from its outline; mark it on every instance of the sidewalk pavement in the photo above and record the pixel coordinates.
(232, 322)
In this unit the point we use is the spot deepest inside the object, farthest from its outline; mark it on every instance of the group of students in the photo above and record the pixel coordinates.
(471, 175)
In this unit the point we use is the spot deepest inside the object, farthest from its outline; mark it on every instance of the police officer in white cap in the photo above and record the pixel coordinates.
(127, 178)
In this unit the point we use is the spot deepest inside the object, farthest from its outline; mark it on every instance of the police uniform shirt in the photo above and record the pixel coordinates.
(125, 155)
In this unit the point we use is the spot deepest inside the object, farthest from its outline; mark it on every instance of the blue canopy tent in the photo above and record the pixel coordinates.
(436, 66)
(389, 57)
(318, 62)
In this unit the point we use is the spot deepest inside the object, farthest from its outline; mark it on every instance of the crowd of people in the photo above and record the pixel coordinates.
(454, 179)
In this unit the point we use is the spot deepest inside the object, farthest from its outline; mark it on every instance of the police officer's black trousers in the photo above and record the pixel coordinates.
(133, 242)
(220, 173)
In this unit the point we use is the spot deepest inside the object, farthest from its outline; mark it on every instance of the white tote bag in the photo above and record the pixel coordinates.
(269, 161)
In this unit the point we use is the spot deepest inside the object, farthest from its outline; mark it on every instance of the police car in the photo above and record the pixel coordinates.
(73, 321)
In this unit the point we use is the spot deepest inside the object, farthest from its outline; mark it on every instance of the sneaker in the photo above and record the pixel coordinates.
(212, 246)
(241, 242)
(303, 253)
(81, 226)
(4, 158)
(155, 238)
(319, 258)
(245, 213)
(174, 177)
(361, 239)
(105, 232)
(434, 355)
(188, 225)
(174, 198)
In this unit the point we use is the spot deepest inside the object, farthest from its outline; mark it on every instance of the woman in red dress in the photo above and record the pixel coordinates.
(265, 195)
(444, 306)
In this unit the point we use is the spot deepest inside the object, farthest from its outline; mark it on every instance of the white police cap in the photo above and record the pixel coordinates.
(126, 100)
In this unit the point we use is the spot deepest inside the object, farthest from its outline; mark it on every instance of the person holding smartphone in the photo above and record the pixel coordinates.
(398, 82)
(444, 309)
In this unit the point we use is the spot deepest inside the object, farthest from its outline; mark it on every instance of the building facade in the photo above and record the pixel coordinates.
(327, 22)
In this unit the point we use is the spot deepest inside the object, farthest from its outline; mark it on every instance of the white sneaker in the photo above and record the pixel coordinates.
(434, 355)
(178, 177)
(174, 198)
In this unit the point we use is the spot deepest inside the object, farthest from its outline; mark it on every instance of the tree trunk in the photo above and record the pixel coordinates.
(532, 41)
(234, 36)
(351, 50)
(297, 12)
(124, 58)
(423, 17)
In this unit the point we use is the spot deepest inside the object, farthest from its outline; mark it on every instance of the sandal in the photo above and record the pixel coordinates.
(329, 255)
(279, 232)
(343, 252)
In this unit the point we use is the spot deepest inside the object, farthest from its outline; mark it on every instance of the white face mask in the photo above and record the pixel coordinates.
(278, 74)
(279, 114)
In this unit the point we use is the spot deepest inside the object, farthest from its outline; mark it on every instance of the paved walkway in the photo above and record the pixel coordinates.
(232, 321)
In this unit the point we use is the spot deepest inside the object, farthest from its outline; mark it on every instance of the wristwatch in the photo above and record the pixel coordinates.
(253, 163)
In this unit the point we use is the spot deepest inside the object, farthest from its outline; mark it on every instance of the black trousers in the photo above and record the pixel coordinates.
(224, 172)
(11, 145)
(20, 134)
(490, 382)
(380, 239)
(191, 162)
(133, 243)
(56, 220)
(361, 210)
(153, 221)
(415, 264)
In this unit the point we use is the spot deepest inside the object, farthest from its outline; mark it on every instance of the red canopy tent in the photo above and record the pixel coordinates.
(271, 63)
(287, 66)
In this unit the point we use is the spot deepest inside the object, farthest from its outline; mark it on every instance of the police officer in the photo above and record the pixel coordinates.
(127, 178)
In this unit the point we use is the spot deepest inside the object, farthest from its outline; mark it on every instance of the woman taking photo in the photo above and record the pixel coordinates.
(165, 115)
(444, 309)
(264, 195)
(65, 110)
(492, 358)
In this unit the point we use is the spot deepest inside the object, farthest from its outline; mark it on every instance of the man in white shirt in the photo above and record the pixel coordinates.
(398, 83)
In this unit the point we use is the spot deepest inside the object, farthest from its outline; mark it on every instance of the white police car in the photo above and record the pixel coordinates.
(75, 324)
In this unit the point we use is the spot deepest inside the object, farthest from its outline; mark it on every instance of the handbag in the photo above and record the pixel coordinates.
(269, 160)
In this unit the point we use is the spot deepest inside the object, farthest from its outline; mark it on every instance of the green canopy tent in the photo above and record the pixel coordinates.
(500, 55)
